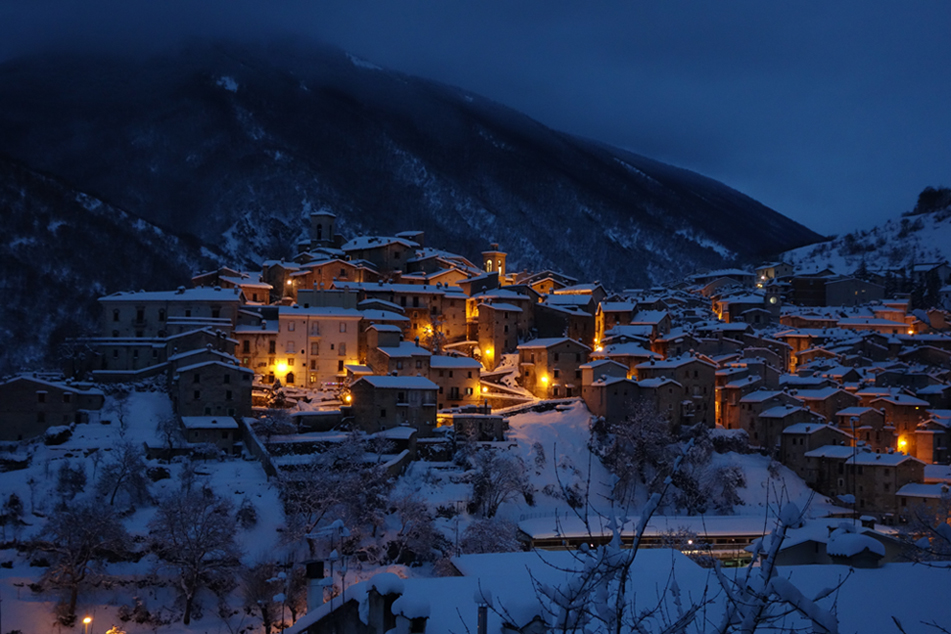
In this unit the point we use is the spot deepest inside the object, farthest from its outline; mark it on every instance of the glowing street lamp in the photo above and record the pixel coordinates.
(86, 622)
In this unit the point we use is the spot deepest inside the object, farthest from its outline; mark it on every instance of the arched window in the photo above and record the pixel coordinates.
(320, 232)
(290, 378)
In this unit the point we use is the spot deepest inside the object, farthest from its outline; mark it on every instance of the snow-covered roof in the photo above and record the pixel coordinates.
(383, 315)
(230, 366)
(855, 411)
(399, 382)
(936, 491)
(198, 294)
(370, 242)
(549, 342)
(319, 311)
(902, 399)
(831, 451)
(673, 362)
(629, 349)
(568, 300)
(811, 428)
(616, 307)
(760, 395)
(502, 306)
(649, 317)
(198, 351)
(818, 394)
(385, 328)
(409, 289)
(209, 422)
(445, 361)
(61, 385)
(867, 458)
(405, 349)
(781, 411)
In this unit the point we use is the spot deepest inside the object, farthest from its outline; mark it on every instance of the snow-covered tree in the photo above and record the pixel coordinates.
(276, 422)
(76, 540)
(12, 515)
(760, 599)
(492, 535)
(637, 449)
(417, 538)
(259, 585)
(597, 595)
(171, 433)
(335, 484)
(70, 480)
(927, 533)
(497, 478)
(193, 535)
(125, 472)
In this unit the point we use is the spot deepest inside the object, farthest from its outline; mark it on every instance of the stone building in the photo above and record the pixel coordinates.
(384, 402)
(30, 405)
(551, 368)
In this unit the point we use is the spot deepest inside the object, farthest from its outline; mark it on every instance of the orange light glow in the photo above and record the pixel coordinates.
(544, 379)
(348, 398)
(282, 367)
(902, 444)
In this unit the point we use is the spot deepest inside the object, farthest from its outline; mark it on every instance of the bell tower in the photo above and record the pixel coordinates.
(493, 261)
(322, 229)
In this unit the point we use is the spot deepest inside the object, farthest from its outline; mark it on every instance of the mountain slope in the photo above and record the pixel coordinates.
(920, 236)
(236, 144)
(60, 250)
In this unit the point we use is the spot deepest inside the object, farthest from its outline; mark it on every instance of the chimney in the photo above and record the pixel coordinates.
(314, 571)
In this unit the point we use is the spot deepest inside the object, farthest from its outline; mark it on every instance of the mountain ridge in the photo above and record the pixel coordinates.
(226, 148)
(231, 117)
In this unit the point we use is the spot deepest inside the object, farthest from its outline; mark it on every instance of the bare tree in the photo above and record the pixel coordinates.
(12, 515)
(492, 535)
(70, 480)
(193, 534)
(171, 433)
(638, 449)
(77, 539)
(259, 586)
(497, 478)
(124, 472)
(336, 484)
(275, 423)
(418, 538)
(927, 534)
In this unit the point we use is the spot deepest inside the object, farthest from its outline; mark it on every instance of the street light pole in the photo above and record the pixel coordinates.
(86, 622)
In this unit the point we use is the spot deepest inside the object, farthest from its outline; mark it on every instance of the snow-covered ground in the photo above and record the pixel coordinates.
(898, 242)
(551, 439)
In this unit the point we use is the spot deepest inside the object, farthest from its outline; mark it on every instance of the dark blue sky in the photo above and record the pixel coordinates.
(835, 114)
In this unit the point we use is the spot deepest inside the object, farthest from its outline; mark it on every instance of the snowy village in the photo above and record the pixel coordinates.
(378, 435)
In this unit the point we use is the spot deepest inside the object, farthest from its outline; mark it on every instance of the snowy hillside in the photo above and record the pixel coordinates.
(914, 238)
(139, 592)
(61, 249)
(235, 144)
